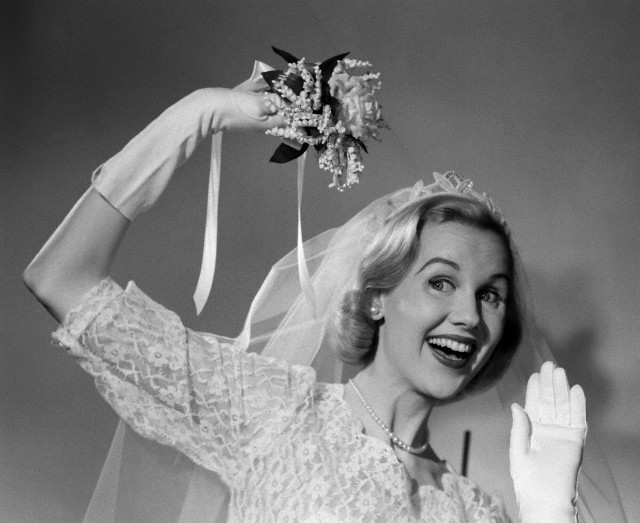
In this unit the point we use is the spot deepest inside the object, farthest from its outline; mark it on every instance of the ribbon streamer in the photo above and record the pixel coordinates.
(255, 83)
(210, 249)
(303, 270)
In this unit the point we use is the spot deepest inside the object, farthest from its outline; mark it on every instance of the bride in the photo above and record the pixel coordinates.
(420, 291)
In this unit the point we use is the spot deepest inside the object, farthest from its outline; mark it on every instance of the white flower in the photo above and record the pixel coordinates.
(338, 127)
(349, 469)
(305, 451)
(366, 502)
(157, 356)
(117, 353)
(359, 109)
(169, 394)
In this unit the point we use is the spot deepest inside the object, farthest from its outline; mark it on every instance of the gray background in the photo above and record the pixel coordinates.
(537, 101)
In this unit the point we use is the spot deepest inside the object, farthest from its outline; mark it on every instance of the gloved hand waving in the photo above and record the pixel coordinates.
(547, 438)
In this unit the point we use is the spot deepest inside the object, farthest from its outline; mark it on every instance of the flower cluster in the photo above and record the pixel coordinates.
(329, 107)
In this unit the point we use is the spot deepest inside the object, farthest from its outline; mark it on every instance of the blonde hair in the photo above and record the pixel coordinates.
(392, 251)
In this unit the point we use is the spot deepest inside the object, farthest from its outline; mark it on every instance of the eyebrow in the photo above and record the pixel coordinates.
(437, 259)
(454, 265)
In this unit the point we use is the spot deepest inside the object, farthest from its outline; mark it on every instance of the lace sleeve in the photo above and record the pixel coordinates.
(213, 402)
(481, 505)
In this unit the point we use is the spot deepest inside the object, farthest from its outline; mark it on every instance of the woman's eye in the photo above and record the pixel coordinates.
(491, 297)
(441, 285)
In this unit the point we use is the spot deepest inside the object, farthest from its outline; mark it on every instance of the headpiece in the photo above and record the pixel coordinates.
(452, 182)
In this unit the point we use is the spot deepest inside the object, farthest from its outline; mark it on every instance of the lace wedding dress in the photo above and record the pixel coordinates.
(288, 447)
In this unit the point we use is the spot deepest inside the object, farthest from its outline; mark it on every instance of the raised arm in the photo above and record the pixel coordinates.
(82, 248)
(77, 255)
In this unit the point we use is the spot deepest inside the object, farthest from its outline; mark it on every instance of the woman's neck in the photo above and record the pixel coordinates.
(403, 410)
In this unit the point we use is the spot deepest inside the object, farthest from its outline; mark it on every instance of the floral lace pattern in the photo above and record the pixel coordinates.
(267, 428)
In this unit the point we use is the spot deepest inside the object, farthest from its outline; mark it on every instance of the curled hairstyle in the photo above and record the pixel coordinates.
(388, 257)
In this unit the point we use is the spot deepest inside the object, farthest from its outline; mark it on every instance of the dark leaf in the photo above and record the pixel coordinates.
(289, 58)
(360, 143)
(294, 82)
(331, 101)
(272, 76)
(334, 103)
(326, 67)
(285, 153)
(325, 93)
(312, 131)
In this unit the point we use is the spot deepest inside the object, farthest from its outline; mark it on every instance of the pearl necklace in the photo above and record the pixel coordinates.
(392, 436)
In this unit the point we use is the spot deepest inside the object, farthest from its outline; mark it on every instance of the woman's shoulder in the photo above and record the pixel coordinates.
(333, 411)
(329, 395)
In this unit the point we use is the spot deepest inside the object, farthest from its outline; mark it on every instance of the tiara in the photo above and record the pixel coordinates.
(451, 182)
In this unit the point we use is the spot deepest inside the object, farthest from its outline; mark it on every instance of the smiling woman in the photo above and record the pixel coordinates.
(407, 253)
(430, 272)
(449, 310)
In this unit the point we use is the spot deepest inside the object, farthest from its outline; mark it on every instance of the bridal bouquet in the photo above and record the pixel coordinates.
(327, 106)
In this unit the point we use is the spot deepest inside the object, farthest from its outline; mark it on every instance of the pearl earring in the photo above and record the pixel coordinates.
(375, 312)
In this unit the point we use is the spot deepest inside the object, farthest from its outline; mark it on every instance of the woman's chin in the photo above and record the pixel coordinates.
(446, 393)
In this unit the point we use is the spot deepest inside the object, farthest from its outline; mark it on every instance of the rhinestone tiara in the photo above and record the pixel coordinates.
(451, 182)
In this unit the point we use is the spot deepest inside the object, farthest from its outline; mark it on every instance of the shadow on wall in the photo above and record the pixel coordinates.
(577, 352)
(575, 327)
(572, 323)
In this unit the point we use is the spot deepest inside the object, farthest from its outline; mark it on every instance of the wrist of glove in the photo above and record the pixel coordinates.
(134, 179)
(547, 439)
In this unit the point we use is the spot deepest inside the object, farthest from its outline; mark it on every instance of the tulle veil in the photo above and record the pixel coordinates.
(144, 481)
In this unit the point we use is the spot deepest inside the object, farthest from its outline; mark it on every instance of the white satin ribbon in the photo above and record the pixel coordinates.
(255, 83)
(303, 270)
(210, 249)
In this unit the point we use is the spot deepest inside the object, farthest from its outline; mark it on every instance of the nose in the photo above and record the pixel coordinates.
(465, 311)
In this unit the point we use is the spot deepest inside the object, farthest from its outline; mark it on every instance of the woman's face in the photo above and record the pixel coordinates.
(446, 316)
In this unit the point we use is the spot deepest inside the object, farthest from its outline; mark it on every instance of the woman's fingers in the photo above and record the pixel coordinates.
(550, 401)
(561, 395)
(260, 113)
(533, 397)
(520, 433)
(546, 404)
(578, 407)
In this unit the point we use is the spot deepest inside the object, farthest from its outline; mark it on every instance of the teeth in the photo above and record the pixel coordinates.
(451, 344)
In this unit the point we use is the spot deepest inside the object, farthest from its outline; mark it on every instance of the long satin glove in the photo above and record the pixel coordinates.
(133, 179)
(547, 439)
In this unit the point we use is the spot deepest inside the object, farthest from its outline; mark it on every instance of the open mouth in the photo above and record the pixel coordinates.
(454, 353)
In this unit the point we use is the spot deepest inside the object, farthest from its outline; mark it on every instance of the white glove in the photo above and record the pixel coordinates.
(547, 438)
(133, 179)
